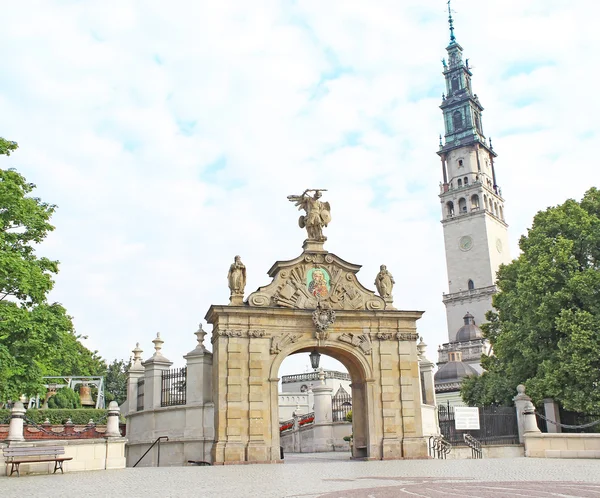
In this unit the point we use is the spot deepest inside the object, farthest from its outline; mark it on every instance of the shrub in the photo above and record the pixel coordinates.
(65, 398)
(60, 416)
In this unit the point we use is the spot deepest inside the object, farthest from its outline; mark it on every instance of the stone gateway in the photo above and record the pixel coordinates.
(315, 301)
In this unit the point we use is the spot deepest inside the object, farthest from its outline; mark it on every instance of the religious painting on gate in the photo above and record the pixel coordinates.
(317, 281)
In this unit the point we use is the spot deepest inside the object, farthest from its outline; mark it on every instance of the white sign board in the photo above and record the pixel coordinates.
(466, 418)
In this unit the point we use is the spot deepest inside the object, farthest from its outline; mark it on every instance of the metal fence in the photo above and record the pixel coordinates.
(498, 425)
(341, 404)
(173, 387)
(140, 395)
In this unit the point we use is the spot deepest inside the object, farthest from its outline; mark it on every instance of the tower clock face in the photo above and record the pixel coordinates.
(498, 245)
(465, 243)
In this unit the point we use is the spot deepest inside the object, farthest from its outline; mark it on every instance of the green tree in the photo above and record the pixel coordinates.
(116, 381)
(65, 397)
(37, 338)
(545, 332)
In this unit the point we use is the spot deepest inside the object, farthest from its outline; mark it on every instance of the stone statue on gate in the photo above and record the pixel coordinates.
(318, 213)
(384, 282)
(236, 278)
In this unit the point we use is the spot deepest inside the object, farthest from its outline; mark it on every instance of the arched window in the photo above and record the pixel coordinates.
(501, 213)
(470, 285)
(466, 180)
(462, 205)
(457, 121)
(477, 124)
(459, 182)
(474, 201)
(496, 208)
(450, 208)
(460, 163)
(455, 85)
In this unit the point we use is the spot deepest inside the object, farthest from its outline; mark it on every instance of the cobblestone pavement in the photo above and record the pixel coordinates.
(325, 475)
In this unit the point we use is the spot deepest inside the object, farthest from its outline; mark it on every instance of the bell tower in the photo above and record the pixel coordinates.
(475, 232)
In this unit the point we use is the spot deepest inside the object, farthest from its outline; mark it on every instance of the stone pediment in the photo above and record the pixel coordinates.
(312, 278)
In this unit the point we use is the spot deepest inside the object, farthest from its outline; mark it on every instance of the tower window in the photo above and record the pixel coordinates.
(455, 85)
(471, 285)
(450, 208)
(474, 201)
(459, 182)
(501, 213)
(466, 180)
(457, 121)
(460, 163)
(462, 205)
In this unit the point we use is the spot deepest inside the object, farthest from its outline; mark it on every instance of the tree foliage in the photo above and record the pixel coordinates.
(37, 338)
(545, 332)
(116, 381)
(65, 397)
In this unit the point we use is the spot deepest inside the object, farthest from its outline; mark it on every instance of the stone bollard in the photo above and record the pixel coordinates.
(17, 417)
(112, 423)
(529, 420)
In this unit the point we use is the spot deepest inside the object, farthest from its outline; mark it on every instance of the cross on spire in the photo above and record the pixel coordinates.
(451, 23)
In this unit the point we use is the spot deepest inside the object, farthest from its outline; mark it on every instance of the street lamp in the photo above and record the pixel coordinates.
(314, 359)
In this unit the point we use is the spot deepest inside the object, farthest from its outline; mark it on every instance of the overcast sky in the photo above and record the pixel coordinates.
(170, 133)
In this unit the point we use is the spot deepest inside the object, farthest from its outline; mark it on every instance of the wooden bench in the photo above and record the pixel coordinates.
(17, 455)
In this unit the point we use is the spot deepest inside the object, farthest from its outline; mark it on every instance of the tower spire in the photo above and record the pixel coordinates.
(451, 23)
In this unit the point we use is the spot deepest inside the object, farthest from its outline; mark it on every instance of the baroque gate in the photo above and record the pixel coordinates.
(314, 301)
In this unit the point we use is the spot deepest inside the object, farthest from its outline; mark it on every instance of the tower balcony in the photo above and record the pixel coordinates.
(469, 294)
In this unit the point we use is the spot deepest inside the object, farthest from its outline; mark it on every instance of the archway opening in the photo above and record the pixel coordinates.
(322, 413)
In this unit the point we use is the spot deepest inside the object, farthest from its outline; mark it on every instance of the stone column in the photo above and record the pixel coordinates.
(112, 422)
(199, 372)
(526, 421)
(136, 372)
(153, 369)
(552, 414)
(323, 429)
(17, 417)
(426, 377)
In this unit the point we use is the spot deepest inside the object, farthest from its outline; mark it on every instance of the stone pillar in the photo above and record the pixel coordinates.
(17, 417)
(552, 414)
(153, 369)
(112, 422)
(136, 371)
(323, 428)
(426, 375)
(526, 421)
(199, 372)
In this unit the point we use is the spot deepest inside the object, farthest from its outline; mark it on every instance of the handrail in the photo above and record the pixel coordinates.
(475, 446)
(439, 447)
(152, 446)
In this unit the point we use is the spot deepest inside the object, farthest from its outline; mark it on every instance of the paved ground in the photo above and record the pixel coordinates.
(326, 476)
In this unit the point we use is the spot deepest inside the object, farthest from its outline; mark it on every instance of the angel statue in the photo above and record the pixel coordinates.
(236, 278)
(318, 213)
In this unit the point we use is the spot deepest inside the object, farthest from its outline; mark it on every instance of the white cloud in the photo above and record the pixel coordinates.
(121, 107)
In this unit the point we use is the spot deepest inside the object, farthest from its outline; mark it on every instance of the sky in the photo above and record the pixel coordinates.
(170, 135)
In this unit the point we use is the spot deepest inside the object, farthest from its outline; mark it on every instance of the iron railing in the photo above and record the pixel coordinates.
(475, 446)
(158, 440)
(438, 447)
(140, 395)
(341, 404)
(173, 387)
(498, 425)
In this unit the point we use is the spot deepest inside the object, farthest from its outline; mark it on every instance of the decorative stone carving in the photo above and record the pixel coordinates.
(280, 341)
(402, 336)
(230, 333)
(314, 277)
(236, 279)
(323, 317)
(362, 341)
(257, 333)
(385, 336)
(318, 213)
(384, 282)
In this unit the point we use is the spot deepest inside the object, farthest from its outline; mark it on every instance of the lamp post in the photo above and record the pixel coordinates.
(314, 359)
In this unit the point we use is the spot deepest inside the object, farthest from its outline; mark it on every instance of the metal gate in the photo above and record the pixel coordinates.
(498, 425)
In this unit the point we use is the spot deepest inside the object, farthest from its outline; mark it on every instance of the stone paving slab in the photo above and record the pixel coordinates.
(327, 476)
